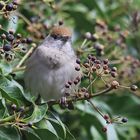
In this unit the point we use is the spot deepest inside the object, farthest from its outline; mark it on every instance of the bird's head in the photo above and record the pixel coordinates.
(61, 33)
(60, 39)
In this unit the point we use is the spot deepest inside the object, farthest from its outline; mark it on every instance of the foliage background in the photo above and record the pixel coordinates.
(83, 123)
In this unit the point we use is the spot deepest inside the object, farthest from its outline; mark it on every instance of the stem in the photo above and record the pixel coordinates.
(84, 42)
(13, 117)
(116, 62)
(8, 119)
(25, 57)
(23, 17)
(92, 82)
(96, 108)
(19, 69)
(54, 102)
(27, 21)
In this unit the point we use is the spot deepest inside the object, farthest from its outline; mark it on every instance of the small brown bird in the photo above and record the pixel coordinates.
(52, 65)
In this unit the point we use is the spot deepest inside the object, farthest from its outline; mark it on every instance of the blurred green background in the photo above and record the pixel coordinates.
(81, 16)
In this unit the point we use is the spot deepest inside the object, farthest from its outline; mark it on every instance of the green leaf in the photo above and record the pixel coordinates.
(95, 134)
(5, 67)
(45, 124)
(38, 114)
(58, 125)
(111, 133)
(3, 109)
(9, 133)
(45, 134)
(11, 90)
(30, 134)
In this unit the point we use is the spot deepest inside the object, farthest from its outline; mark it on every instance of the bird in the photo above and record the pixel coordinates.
(52, 69)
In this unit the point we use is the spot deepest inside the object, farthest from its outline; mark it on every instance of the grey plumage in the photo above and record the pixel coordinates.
(50, 67)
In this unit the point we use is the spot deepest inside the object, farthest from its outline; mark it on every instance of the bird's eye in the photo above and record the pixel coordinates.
(65, 38)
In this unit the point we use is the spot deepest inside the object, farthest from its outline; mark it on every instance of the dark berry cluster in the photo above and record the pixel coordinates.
(7, 8)
(12, 43)
(18, 113)
(104, 39)
(131, 70)
(95, 65)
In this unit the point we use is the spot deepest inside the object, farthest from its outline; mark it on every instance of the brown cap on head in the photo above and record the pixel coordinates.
(61, 31)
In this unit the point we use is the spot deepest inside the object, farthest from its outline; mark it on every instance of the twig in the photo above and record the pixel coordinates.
(25, 57)
(83, 43)
(96, 108)
(19, 69)
(71, 99)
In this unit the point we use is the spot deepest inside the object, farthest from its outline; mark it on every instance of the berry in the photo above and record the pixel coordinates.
(78, 61)
(86, 95)
(83, 89)
(93, 68)
(14, 7)
(133, 87)
(98, 66)
(29, 40)
(3, 36)
(30, 124)
(21, 109)
(113, 74)
(11, 32)
(105, 61)
(104, 129)
(76, 82)
(90, 56)
(77, 68)
(1, 5)
(61, 22)
(67, 85)
(88, 35)
(94, 37)
(97, 61)
(63, 102)
(124, 120)
(106, 117)
(7, 47)
(23, 40)
(70, 82)
(105, 67)
(19, 36)
(93, 58)
(15, 2)
(114, 69)
(9, 7)
(14, 106)
(98, 46)
(114, 84)
(106, 71)
(10, 37)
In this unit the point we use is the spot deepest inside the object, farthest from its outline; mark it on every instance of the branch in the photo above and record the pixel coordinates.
(75, 98)
(25, 57)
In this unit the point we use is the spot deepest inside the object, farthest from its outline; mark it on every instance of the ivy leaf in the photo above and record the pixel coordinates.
(30, 134)
(46, 130)
(38, 114)
(5, 67)
(59, 126)
(11, 90)
(46, 125)
(3, 109)
(9, 133)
